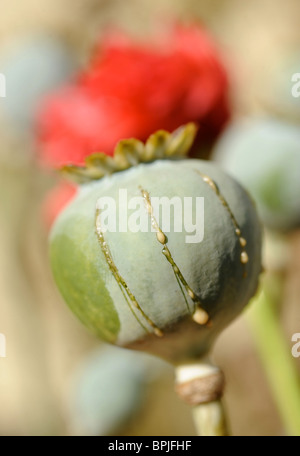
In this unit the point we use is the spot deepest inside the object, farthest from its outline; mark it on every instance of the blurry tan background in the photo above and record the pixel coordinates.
(44, 341)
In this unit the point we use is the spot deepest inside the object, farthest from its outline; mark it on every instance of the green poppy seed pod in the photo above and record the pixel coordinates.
(108, 388)
(158, 290)
(263, 155)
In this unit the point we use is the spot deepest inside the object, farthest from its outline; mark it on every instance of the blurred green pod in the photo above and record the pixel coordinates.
(263, 155)
(109, 388)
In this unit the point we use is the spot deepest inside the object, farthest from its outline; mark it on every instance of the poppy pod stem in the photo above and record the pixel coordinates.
(201, 385)
(275, 354)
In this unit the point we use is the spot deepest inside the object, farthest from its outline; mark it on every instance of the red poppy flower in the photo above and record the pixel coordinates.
(132, 90)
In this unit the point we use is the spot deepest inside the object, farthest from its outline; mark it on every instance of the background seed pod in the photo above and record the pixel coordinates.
(109, 388)
(263, 155)
(216, 269)
(35, 66)
(281, 94)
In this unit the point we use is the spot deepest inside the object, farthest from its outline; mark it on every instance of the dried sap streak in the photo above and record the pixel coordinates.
(128, 295)
(242, 241)
(200, 316)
